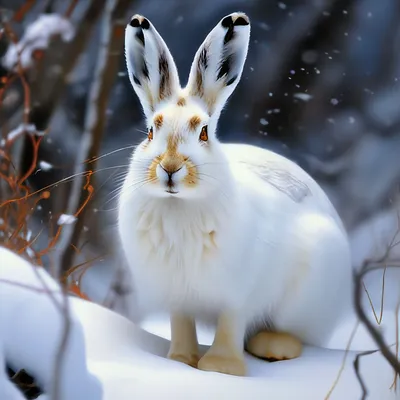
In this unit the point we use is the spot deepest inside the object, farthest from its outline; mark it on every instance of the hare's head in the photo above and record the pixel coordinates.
(182, 156)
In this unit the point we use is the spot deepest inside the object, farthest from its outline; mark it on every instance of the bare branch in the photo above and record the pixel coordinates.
(95, 121)
(395, 379)
(383, 262)
(71, 8)
(59, 60)
(23, 10)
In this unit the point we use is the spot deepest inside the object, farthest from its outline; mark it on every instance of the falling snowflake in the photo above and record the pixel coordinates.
(66, 219)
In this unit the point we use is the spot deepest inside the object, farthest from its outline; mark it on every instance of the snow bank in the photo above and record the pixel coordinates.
(7, 389)
(37, 37)
(131, 363)
(31, 327)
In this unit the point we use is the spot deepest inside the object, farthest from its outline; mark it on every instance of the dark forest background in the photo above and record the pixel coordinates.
(321, 86)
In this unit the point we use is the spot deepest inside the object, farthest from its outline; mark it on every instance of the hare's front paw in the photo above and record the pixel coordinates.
(184, 347)
(226, 353)
(225, 364)
(274, 346)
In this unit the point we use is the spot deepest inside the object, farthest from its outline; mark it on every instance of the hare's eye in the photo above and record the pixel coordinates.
(150, 134)
(204, 134)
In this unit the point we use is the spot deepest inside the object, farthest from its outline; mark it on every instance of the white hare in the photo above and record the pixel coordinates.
(228, 232)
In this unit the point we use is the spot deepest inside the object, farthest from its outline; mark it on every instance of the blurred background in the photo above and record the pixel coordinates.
(321, 86)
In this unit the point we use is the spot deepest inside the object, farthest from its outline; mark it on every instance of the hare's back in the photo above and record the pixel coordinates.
(281, 175)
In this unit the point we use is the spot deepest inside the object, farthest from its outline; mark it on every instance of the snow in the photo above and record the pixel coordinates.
(45, 166)
(37, 37)
(7, 389)
(134, 362)
(66, 219)
(108, 352)
(31, 327)
(20, 129)
(303, 96)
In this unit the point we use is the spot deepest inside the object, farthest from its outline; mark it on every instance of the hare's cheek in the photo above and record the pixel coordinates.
(191, 178)
(152, 170)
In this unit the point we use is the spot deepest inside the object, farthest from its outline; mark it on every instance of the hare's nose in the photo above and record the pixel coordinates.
(170, 171)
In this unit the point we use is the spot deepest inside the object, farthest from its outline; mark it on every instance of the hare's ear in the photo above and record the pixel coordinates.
(218, 63)
(152, 70)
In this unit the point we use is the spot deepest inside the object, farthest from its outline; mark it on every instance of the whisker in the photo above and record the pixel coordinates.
(110, 153)
(98, 189)
(111, 167)
(142, 131)
(118, 189)
(141, 183)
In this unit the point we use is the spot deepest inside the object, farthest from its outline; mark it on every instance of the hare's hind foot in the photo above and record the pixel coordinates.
(274, 346)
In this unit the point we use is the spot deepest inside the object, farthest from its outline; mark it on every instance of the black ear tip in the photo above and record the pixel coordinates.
(145, 23)
(241, 21)
(227, 22)
(135, 23)
(139, 22)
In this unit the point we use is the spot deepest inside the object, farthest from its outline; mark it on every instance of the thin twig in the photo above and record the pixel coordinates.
(59, 60)
(70, 8)
(396, 375)
(66, 329)
(342, 366)
(25, 286)
(23, 10)
(368, 266)
(376, 335)
(357, 371)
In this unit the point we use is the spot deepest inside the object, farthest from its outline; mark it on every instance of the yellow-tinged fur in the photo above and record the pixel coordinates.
(194, 122)
(274, 346)
(181, 102)
(158, 121)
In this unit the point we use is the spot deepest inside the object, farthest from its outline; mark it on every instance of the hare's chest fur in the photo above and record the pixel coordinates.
(178, 256)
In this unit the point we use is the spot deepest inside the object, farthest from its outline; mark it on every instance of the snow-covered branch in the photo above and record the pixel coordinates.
(37, 38)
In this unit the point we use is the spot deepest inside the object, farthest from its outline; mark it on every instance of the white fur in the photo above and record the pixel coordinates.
(278, 252)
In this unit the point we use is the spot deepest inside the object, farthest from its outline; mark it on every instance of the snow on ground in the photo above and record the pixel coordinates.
(133, 363)
(129, 361)
(31, 327)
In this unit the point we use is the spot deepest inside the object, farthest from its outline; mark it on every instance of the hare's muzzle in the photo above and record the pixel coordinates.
(170, 174)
